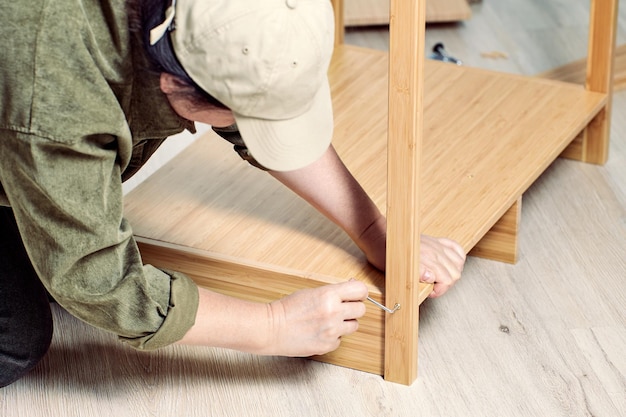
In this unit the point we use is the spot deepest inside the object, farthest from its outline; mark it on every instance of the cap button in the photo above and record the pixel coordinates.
(292, 3)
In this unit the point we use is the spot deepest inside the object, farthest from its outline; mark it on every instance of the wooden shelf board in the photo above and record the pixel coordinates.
(362, 350)
(487, 137)
(376, 12)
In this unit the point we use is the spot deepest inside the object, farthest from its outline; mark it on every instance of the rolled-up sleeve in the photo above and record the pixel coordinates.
(67, 200)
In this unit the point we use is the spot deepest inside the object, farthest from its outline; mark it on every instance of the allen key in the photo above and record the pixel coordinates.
(387, 309)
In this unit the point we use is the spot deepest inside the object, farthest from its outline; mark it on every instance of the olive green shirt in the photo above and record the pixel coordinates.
(80, 112)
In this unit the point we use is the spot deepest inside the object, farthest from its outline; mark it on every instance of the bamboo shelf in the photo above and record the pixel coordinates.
(486, 137)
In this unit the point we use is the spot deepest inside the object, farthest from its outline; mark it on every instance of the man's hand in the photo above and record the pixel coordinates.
(307, 322)
(441, 259)
(328, 186)
(312, 321)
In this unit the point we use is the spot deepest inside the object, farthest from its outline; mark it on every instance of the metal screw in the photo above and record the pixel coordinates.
(440, 54)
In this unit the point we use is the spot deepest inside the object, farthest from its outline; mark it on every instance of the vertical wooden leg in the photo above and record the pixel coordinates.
(593, 145)
(406, 63)
(500, 242)
(340, 30)
(575, 149)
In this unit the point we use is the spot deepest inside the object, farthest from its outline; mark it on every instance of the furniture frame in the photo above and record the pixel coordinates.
(464, 144)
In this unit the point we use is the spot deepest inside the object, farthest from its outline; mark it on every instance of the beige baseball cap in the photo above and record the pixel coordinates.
(267, 60)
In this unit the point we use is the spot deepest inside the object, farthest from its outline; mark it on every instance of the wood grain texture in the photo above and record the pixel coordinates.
(600, 64)
(229, 208)
(363, 350)
(500, 243)
(576, 71)
(404, 151)
(242, 214)
(376, 12)
(339, 10)
(543, 337)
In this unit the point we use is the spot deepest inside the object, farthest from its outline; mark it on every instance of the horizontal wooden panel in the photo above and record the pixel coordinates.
(235, 229)
(362, 350)
(487, 137)
(376, 12)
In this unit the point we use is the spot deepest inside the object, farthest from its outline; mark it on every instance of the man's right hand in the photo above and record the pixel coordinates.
(312, 321)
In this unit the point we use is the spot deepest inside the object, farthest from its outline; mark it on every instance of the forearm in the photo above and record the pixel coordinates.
(329, 187)
(232, 323)
(307, 322)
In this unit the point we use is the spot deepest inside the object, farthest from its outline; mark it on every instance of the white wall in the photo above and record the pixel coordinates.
(170, 148)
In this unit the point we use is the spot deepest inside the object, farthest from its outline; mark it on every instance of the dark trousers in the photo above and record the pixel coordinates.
(25, 317)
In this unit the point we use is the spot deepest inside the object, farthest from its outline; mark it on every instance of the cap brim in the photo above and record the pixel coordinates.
(287, 145)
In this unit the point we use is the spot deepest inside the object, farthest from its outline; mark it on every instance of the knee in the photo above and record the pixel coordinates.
(23, 352)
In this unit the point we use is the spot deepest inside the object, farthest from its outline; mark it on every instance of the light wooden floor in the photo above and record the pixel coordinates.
(544, 337)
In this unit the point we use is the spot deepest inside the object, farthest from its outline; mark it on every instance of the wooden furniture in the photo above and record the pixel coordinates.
(376, 12)
(463, 144)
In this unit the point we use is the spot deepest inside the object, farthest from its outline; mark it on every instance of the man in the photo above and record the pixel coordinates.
(81, 111)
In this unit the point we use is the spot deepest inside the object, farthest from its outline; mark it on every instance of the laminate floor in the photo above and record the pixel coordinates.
(543, 337)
